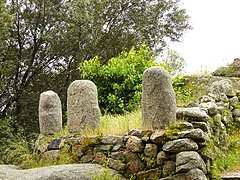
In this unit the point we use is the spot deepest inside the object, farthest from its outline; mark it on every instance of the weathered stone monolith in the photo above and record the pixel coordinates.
(50, 113)
(82, 106)
(158, 99)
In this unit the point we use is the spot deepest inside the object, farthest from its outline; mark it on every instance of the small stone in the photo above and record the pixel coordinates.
(110, 139)
(161, 157)
(54, 144)
(116, 147)
(179, 145)
(100, 158)
(116, 164)
(185, 161)
(223, 98)
(206, 99)
(50, 156)
(234, 101)
(185, 125)
(158, 136)
(135, 165)
(150, 150)
(194, 134)
(192, 114)
(118, 155)
(169, 167)
(134, 144)
(236, 112)
(202, 125)
(151, 174)
(87, 158)
(103, 147)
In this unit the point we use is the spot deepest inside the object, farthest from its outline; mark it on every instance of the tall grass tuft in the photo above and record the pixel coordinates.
(117, 124)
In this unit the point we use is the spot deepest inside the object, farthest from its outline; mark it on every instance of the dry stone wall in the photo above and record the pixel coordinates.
(176, 151)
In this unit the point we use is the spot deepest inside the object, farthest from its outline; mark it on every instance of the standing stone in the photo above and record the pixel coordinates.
(158, 99)
(82, 106)
(50, 113)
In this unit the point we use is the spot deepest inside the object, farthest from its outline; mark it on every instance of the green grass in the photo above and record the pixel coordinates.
(117, 124)
(230, 161)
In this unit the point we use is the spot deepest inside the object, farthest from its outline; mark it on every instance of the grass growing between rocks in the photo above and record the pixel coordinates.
(229, 161)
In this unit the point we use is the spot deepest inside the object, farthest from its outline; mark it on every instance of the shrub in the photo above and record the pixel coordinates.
(119, 82)
(184, 93)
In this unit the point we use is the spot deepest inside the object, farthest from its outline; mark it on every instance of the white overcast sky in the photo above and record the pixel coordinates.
(215, 39)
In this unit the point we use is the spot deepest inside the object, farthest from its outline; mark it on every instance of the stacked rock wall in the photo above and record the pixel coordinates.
(177, 153)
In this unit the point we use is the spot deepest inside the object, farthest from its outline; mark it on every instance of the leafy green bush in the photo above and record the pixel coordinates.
(119, 82)
(184, 93)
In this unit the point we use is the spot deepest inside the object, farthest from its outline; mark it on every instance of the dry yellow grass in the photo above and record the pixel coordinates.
(118, 124)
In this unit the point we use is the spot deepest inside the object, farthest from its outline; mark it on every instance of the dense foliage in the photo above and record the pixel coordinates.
(119, 82)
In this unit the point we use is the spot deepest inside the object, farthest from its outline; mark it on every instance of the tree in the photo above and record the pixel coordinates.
(48, 40)
(175, 62)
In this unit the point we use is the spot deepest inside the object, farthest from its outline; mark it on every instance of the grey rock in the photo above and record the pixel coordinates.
(104, 147)
(223, 97)
(118, 155)
(50, 113)
(135, 165)
(135, 144)
(206, 99)
(54, 144)
(179, 145)
(169, 167)
(66, 171)
(116, 164)
(194, 134)
(151, 174)
(110, 139)
(223, 86)
(140, 133)
(202, 125)
(185, 161)
(238, 94)
(151, 150)
(192, 114)
(193, 174)
(211, 108)
(161, 157)
(220, 109)
(50, 156)
(100, 158)
(234, 101)
(158, 136)
(158, 99)
(185, 125)
(236, 112)
(82, 106)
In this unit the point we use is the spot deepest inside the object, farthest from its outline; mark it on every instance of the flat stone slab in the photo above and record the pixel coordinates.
(66, 171)
(231, 175)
